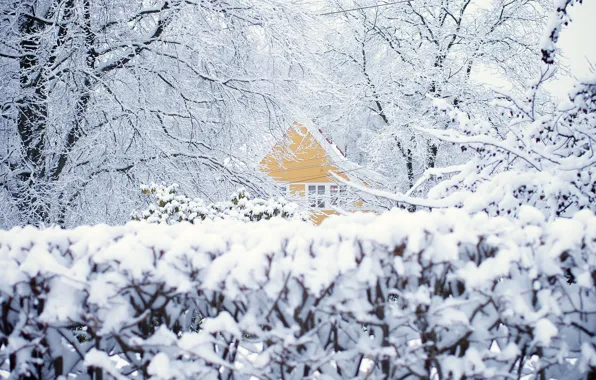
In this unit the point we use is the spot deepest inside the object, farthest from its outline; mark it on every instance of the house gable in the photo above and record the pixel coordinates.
(303, 164)
(300, 159)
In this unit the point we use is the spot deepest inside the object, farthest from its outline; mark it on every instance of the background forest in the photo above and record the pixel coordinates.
(101, 96)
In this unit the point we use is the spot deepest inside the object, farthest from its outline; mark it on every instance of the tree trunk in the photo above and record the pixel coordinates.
(433, 149)
(31, 124)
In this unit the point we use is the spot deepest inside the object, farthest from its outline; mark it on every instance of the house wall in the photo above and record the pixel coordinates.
(318, 216)
(298, 190)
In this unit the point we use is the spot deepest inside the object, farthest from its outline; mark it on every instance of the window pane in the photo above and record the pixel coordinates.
(334, 189)
(312, 196)
(321, 196)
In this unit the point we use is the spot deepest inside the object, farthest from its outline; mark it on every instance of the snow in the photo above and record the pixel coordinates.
(544, 332)
(224, 322)
(160, 367)
(493, 274)
(169, 207)
(275, 291)
(100, 359)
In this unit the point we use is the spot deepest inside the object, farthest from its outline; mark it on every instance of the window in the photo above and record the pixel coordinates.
(321, 196)
(312, 196)
(316, 196)
(342, 192)
(326, 196)
(337, 195)
(334, 193)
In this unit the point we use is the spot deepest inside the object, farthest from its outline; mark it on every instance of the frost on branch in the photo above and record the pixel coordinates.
(547, 161)
(558, 19)
(169, 207)
(400, 295)
(529, 155)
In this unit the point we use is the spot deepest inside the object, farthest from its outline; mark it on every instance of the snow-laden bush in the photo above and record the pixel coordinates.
(425, 295)
(169, 207)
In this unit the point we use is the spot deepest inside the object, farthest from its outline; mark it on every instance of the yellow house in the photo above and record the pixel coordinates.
(302, 165)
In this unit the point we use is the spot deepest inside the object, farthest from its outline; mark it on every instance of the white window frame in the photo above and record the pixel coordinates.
(316, 200)
(327, 197)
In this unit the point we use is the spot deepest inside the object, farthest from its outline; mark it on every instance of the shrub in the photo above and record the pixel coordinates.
(423, 295)
(169, 207)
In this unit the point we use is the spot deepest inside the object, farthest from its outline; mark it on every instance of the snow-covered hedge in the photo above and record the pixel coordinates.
(425, 295)
(168, 206)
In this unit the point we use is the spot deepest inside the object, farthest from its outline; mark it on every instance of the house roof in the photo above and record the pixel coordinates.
(335, 158)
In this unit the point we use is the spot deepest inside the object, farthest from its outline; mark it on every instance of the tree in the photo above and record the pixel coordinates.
(542, 158)
(389, 60)
(99, 94)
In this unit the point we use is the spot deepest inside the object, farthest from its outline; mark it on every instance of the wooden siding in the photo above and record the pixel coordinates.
(300, 160)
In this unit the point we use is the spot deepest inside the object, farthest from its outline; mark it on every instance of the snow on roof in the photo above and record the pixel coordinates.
(354, 171)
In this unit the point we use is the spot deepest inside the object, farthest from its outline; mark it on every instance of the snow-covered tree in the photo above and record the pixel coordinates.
(389, 59)
(99, 95)
(168, 206)
(540, 167)
(543, 159)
